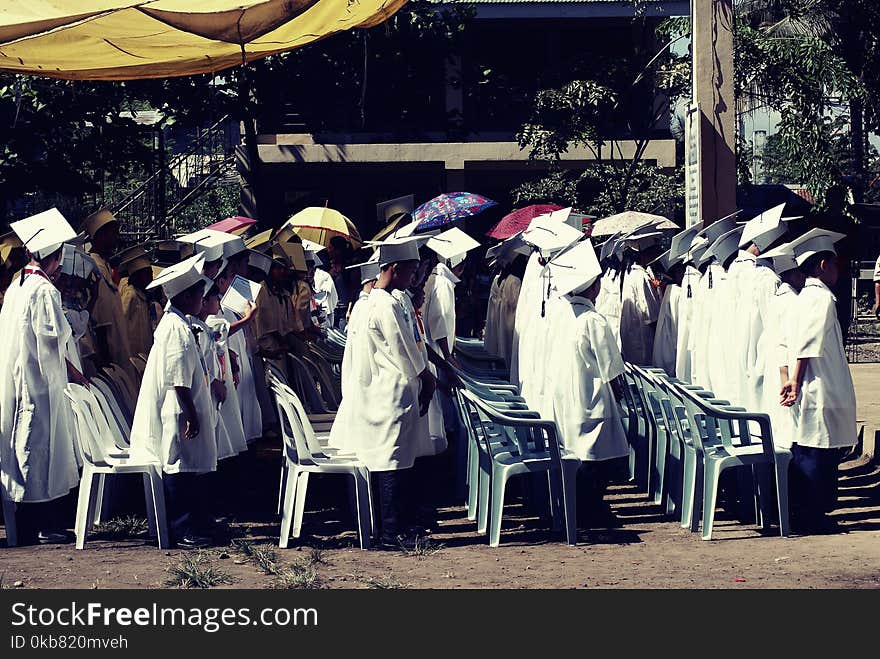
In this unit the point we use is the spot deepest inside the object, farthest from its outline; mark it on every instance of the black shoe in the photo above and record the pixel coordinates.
(55, 537)
(192, 541)
(397, 542)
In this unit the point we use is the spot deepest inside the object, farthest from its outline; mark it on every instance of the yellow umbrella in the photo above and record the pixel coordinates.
(130, 39)
(321, 224)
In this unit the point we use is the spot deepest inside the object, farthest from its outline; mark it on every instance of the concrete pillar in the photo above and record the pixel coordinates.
(712, 48)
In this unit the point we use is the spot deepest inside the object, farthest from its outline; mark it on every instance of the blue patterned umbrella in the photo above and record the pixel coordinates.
(448, 207)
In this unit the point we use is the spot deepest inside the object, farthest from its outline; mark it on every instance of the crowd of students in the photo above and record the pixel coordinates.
(744, 310)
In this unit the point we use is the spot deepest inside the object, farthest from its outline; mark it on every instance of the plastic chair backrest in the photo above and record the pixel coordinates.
(119, 428)
(727, 417)
(87, 426)
(274, 371)
(114, 374)
(139, 365)
(309, 392)
(291, 423)
(306, 425)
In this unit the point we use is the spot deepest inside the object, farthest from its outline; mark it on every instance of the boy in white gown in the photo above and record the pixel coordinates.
(173, 420)
(585, 386)
(38, 460)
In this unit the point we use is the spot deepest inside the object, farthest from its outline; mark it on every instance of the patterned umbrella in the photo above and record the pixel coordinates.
(448, 207)
(512, 223)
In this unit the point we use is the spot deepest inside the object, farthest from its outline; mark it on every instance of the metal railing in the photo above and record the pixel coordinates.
(147, 213)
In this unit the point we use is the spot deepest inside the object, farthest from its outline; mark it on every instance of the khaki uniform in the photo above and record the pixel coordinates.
(302, 307)
(138, 322)
(107, 313)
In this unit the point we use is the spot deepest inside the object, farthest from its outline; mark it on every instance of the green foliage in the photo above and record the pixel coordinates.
(195, 571)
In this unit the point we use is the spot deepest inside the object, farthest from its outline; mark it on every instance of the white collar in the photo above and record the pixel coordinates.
(579, 299)
(441, 269)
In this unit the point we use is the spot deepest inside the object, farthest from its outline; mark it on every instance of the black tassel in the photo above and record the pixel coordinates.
(710, 276)
(690, 293)
(543, 307)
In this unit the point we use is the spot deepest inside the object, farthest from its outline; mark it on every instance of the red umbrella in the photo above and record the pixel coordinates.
(235, 224)
(512, 223)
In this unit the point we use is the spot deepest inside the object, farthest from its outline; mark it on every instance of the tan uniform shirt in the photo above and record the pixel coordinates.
(138, 323)
(107, 313)
(302, 307)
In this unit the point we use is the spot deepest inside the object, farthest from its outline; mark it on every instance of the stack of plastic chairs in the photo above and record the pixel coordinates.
(102, 456)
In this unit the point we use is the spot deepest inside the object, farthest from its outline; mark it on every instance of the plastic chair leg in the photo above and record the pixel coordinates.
(9, 522)
(689, 475)
(287, 507)
(660, 468)
(781, 473)
(161, 517)
(710, 496)
(102, 498)
(365, 474)
(483, 494)
(85, 505)
(499, 484)
(150, 505)
(299, 508)
(697, 497)
(569, 488)
(364, 514)
(473, 481)
(557, 505)
(673, 477)
(281, 483)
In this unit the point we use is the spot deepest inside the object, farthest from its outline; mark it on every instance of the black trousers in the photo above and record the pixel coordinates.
(186, 502)
(392, 501)
(813, 480)
(31, 518)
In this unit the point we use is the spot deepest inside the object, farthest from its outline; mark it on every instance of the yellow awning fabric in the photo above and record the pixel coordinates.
(119, 40)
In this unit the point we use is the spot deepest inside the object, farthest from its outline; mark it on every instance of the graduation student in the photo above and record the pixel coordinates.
(387, 391)
(690, 280)
(666, 334)
(174, 417)
(712, 274)
(38, 460)
(77, 281)
(549, 234)
(608, 303)
(321, 281)
(137, 306)
(779, 328)
(12, 259)
(369, 272)
(820, 386)
(585, 386)
(107, 316)
(640, 299)
(504, 297)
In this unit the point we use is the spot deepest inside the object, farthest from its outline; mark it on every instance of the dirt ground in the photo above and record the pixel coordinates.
(650, 551)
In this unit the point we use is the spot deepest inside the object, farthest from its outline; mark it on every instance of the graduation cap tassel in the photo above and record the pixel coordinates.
(690, 293)
(710, 276)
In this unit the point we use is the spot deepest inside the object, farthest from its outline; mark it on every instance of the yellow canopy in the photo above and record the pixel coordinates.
(127, 40)
(320, 224)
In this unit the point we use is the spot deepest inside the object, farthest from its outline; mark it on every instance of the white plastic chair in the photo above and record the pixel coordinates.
(300, 463)
(119, 424)
(97, 463)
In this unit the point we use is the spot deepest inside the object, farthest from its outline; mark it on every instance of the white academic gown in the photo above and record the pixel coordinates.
(704, 297)
(230, 410)
(325, 294)
(779, 328)
(251, 413)
(739, 359)
(379, 414)
(510, 289)
(528, 306)
(826, 408)
(438, 310)
(723, 381)
(492, 328)
(159, 419)
(608, 302)
(37, 454)
(758, 300)
(585, 360)
(640, 307)
(666, 336)
(432, 433)
(533, 344)
(683, 365)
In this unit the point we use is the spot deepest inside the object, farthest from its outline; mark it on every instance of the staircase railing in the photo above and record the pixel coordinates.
(147, 212)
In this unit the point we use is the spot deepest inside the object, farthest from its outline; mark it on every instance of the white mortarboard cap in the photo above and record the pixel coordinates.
(452, 243)
(76, 263)
(574, 269)
(550, 235)
(715, 229)
(681, 242)
(233, 246)
(783, 258)
(608, 246)
(369, 270)
(212, 243)
(764, 229)
(259, 260)
(43, 233)
(724, 245)
(394, 250)
(812, 242)
(507, 250)
(695, 251)
(643, 237)
(388, 209)
(178, 277)
(664, 260)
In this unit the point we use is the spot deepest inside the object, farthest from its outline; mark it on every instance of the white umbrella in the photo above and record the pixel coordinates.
(628, 221)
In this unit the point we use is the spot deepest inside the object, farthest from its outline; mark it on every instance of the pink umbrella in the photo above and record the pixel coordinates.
(235, 224)
(512, 223)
